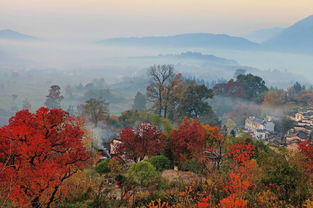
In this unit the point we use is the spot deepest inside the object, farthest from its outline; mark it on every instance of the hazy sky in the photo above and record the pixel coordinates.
(98, 19)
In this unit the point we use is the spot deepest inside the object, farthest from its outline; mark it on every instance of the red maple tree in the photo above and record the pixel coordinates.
(38, 151)
(145, 140)
(188, 141)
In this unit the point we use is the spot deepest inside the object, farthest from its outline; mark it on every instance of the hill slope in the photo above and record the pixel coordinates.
(201, 40)
(297, 38)
(13, 35)
(193, 56)
(262, 35)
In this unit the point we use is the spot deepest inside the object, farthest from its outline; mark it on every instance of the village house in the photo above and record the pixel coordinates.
(294, 136)
(304, 117)
(260, 129)
(252, 124)
(113, 146)
(303, 129)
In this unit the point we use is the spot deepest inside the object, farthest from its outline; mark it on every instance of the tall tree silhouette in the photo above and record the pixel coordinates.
(54, 98)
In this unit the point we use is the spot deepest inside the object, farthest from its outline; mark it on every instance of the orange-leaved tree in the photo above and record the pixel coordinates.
(215, 141)
(240, 178)
(38, 151)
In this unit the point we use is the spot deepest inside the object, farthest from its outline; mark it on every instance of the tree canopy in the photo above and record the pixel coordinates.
(54, 98)
(37, 153)
(145, 140)
(96, 110)
(193, 104)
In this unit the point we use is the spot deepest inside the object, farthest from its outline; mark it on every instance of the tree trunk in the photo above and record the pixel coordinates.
(160, 106)
(51, 200)
(165, 111)
(35, 203)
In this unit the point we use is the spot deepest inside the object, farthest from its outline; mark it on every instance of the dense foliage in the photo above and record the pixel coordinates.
(145, 140)
(37, 153)
(246, 86)
(188, 141)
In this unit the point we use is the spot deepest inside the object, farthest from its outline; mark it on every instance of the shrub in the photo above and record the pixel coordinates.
(119, 178)
(103, 166)
(192, 165)
(160, 162)
(142, 173)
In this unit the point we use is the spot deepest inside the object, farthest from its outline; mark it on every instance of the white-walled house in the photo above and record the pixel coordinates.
(259, 128)
(252, 123)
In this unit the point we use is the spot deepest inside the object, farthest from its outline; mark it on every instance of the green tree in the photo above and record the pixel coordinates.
(192, 165)
(129, 118)
(142, 173)
(139, 102)
(297, 88)
(290, 179)
(255, 86)
(193, 104)
(96, 110)
(54, 98)
(103, 166)
(239, 72)
(160, 162)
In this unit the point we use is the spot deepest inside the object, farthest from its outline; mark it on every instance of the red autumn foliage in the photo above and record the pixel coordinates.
(145, 140)
(205, 202)
(215, 140)
(306, 149)
(240, 178)
(233, 201)
(214, 134)
(188, 141)
(38, 151)
(240, 152)
(237, 184)
(230, 89)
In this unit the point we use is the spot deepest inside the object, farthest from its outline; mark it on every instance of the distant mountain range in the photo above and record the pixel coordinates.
(263, 35)
(297, 38)
(202, 40)
(188, 56)
(13, 35)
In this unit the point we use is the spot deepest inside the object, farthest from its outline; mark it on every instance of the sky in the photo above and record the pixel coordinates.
(99, 19)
